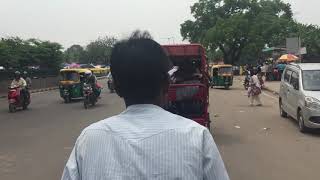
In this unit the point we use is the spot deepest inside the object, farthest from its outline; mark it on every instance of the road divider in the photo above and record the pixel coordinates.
(48, 89)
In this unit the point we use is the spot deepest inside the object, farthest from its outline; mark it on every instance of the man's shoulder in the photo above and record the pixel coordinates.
(101, 125)
(188, 123)
(168, 121)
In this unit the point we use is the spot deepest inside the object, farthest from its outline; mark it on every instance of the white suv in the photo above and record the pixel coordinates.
(299, 95)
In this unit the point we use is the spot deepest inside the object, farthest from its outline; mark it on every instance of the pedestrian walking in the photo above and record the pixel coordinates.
(280, 66)
(269, 71)
(144, 141)
(254, 90)
(264, 70)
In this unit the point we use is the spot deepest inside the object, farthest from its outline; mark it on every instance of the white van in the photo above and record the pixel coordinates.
(299, 95)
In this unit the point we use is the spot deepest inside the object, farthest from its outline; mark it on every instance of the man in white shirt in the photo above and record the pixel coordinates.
(145, 141)
(18, 81)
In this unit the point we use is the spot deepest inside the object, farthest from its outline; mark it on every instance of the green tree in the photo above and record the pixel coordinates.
(49, 54)
(236, 26)
(10, 52)
(310, 36)
(99, 51)
(5, 58)
(18, 53)
(75, 53)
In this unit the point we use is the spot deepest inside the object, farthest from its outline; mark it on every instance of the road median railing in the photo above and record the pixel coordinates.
(4, 95)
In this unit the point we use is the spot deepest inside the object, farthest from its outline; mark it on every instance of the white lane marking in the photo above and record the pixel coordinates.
(270, 96)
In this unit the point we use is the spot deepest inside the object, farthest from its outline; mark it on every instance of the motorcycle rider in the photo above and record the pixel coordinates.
(27, 79)
(19, 82)
(91, 79)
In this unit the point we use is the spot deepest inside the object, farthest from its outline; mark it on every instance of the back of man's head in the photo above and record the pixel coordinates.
(139, 67)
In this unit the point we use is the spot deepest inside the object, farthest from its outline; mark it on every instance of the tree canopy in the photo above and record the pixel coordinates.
(97, 51)
(18, 53)
(240, 29)
(75, 53)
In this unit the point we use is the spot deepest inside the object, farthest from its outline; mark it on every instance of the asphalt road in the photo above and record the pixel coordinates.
(256, 144)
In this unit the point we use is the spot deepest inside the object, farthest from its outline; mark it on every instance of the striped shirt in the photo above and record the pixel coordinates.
(145, 142)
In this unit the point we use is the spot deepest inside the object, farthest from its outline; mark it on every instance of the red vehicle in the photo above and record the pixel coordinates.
(189, 89)
(16, 100)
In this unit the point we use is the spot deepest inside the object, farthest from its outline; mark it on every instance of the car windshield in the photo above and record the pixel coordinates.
(311, 80)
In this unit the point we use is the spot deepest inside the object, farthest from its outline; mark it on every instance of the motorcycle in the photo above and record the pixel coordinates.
(90, 97)
(16, 100)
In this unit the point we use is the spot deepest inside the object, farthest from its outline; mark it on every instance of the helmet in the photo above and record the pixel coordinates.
(88, 73)
(17, 74)
(24, 74)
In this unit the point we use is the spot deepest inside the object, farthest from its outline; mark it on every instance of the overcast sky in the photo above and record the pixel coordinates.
(80, 21)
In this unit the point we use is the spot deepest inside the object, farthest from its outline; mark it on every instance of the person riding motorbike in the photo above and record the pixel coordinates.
(19, 82)
(27, 79)
(91, 79)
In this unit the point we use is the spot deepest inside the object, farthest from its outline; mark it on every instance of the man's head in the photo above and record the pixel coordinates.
(139, 68)
(25, 74)
(88, 74)
(17, 75)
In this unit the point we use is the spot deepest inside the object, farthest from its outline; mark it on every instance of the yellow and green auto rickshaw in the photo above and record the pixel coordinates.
(221, 76)
(71, 84)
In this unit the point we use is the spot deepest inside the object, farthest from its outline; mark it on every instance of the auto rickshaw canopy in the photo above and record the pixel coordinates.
(69, 76)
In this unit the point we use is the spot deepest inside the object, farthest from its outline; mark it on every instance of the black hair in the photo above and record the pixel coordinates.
(139, 67)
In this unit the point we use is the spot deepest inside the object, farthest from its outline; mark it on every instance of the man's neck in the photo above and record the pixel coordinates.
(137, 102)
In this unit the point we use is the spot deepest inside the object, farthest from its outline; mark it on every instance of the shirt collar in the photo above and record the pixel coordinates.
(139, 108)
(143, 106)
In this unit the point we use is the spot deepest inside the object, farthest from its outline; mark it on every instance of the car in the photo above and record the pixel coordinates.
(96, 70)
(299, 95)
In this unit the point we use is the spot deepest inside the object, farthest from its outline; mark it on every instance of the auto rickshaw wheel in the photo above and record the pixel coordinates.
(67, 99)
(94, 101)
(25, 106)
(86, 103)
(12, 108)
